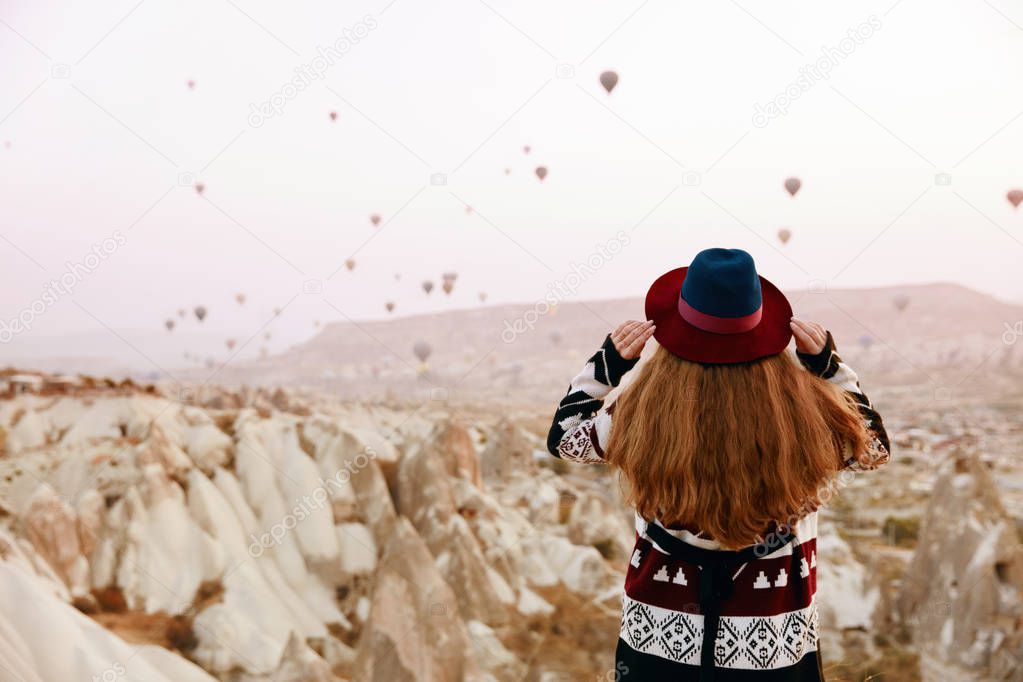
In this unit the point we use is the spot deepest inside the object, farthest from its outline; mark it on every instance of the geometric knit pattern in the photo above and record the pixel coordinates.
(743, 642)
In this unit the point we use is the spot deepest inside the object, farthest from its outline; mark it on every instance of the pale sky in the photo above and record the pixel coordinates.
(98, 128)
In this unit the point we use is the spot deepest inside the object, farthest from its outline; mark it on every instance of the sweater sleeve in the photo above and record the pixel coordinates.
(581, 425)
(828, 365)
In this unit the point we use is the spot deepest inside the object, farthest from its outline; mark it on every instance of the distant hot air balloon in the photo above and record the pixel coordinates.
(555, 337)
(210, 362)
(784, 235)
(792, 185)
(240, 298)
(448, 285)
(263, 352)
(468, 208)
(375, 219)
(230, 343)
(609, 79)
(333, 116)
(427, 286)
(527, 149)
(267, 336)
(900, 301)
(350, 264)
(541, 172)
(200, 187)
(277, 311)
(507, 171)
(169, 324)
(191, 85)
(866, 340)
(422, 350)
(452, 276)
(316, 323)
(397, 277)
(1015, 197)
(181, 312)
(483, 297)
(389, 306)
(200, 312)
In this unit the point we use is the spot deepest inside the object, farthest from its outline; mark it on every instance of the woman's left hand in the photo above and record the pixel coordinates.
(810, 336)
(629, 337)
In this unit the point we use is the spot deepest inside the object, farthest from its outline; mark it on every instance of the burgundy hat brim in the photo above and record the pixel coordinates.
(770, 337)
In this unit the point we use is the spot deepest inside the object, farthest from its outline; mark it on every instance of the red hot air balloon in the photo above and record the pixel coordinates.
(191, 85)
(527, 149)
(792, 185)
(784, 235)
(541, 172)
(609, 79)
(390, 306)
(375, 219)
(1015, 197)
(333, 116)
(200, 187)
(428, 286)
(230, 343)
(240, 297)
(200, 312)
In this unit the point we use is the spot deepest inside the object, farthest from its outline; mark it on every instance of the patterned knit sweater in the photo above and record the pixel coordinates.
(768, 627)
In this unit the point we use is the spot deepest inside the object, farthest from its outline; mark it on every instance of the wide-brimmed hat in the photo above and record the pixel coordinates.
(719, 310)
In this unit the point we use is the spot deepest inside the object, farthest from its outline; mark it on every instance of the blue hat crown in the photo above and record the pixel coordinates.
(723, 283)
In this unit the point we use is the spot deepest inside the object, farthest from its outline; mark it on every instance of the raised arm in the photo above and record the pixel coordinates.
(581, 425)
(827, 364)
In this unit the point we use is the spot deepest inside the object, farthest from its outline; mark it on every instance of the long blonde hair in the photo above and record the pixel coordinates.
(730, 449)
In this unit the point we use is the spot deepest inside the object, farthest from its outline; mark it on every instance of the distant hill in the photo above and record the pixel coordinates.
(530, 351)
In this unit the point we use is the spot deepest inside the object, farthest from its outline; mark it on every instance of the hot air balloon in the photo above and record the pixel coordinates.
(267, 336)
(350, 264)
(427, 287)
(527, 149)
(316, 323)
(277, 311)
(200, 312)
(200, 187)
(1015, 197)
(169, 324)
(263, 352)
(422, 350)
(333, 116)
(230, 343)
(240, 298)
(541, 172)
(210, 362)
(397, 277)
(792, 185)
(389, 306)
(900, 301)
(784, 235)
(866, 341)
(507, 171)
(483, 297)
(181, 312)
(448, 285)
(609, 79)
(375, 219)
(555, 337)
(452, 276)
(191, 85)
(468, 209)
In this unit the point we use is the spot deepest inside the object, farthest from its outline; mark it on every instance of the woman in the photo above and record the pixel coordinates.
(727, 447)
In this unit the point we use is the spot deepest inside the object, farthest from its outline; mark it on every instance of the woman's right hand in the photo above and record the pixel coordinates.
(630, 336)
(811, 337)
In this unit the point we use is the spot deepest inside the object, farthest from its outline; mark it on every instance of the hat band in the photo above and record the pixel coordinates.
(719, 325)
